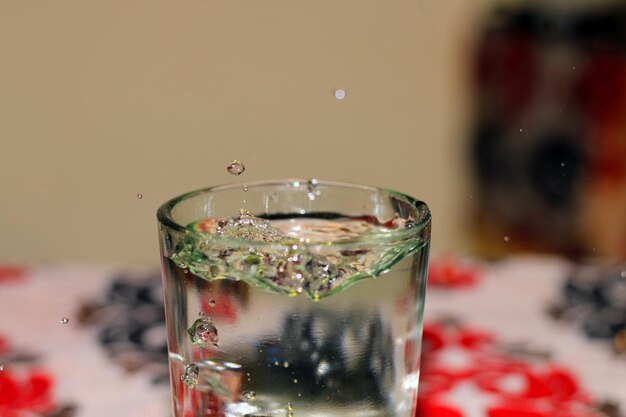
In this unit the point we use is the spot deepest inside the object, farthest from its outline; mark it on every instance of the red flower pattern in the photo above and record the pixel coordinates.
(450, 272)
(24, 393)
(10, 273)
(457, 356)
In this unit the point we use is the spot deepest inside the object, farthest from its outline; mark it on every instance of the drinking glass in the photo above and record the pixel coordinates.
(294, 298)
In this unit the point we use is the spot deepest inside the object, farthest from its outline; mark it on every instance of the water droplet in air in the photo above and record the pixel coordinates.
(190, 375)
(1, 367)
(311, 186)
(506, 238)
(212, 302)
(140, 196)
(249, 395)
(203, 333)
(340, 94)
(235, 167)
(286, 364)
(65, 320)
(245, 188)
(295, 381)
(276, 363)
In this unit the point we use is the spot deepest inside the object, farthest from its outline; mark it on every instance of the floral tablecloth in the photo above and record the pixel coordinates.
(522, 337)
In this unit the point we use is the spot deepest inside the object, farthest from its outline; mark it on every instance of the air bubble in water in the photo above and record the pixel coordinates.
(65, 320)
(286, 364)
(276, 363)
(212, 302)
(295, 381)
(190, 375)
(203, 333)
(289, 409)
(236, 167)
(1, 367)
(623, 274)
(248, 227)
(322, 368)
(340, 94)
(249, 395)
(506, 238)
(245, 188)
(273, 196)
(140, 196)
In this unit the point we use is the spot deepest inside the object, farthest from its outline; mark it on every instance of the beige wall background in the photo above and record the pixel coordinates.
(100, 101)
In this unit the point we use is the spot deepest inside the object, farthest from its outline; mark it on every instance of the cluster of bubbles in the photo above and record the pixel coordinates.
(65, 320)
(312, 190)
(289, 267)
(248, 227)
(190, 375)
(203, 333)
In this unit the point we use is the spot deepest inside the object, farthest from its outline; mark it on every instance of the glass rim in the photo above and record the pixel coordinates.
(415, 231)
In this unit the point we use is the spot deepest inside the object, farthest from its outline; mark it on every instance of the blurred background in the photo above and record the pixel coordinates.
(507, 118)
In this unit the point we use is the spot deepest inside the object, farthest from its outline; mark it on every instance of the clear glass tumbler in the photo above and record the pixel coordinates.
(295, 297)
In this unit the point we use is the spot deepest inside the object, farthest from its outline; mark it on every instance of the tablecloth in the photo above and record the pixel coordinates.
(521, 337)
